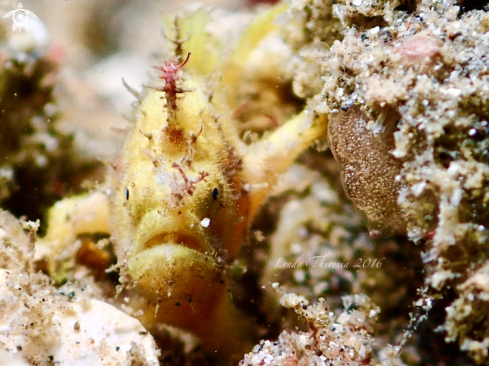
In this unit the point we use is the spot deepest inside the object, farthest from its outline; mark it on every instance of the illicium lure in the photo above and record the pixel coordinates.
(185, 188)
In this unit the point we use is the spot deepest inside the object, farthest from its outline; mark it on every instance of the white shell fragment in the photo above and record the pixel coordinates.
(205, 222)
(82, 331)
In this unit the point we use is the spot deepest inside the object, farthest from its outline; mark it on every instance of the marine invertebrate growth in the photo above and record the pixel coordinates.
(420, 83)
(368, 170)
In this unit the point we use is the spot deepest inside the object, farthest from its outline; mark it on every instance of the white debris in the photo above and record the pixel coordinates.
(83, 331)
(205, 222)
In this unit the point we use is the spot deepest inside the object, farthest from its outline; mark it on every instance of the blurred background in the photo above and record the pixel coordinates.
(101, 42)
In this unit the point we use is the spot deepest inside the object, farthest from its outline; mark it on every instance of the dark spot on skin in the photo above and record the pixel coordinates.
(177, 304)
(127, 194)
(215, 192)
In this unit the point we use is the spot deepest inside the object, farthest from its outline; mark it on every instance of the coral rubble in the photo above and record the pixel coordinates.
(342, 340)
(416, 76)
(47, 325)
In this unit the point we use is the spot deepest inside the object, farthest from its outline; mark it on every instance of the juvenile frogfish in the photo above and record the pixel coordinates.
(185, 188)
